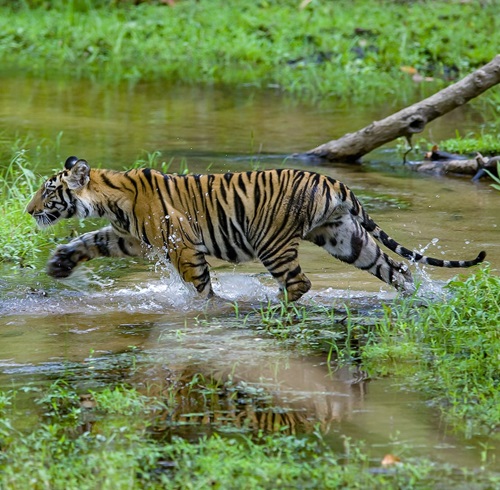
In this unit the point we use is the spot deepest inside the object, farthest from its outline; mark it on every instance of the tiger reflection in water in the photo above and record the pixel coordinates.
(300, 402)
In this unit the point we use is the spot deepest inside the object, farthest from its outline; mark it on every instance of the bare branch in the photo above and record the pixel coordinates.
(413, 119)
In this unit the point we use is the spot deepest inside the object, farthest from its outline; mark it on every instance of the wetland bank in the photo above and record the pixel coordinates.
(120, 378)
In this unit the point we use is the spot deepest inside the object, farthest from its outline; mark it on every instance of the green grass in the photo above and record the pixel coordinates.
(340, 50)
(110, 446)
(21, 242)
(447, 349)
(485, 143)
(338, 331)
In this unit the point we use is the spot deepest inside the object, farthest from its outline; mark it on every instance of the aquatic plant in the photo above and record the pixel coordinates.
(496, 178)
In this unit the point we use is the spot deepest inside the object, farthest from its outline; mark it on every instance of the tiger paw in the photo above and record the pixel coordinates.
(64, 260)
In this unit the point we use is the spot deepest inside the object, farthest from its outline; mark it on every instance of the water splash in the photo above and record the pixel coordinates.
(85, 278)
(424, 248)
(161, 290)
(169, 291)
(428, 288)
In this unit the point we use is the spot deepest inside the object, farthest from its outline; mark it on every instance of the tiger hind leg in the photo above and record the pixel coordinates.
(285, 268)
(346, 240)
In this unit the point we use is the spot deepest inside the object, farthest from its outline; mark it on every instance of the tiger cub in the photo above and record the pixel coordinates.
(233, 216)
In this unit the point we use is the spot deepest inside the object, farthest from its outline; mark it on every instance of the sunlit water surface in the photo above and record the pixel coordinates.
(134, 322)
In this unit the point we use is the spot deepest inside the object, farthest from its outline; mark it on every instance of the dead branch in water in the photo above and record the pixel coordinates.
(474, 166)
(413, 119)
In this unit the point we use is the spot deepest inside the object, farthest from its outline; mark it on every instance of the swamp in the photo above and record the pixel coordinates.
(121, 377)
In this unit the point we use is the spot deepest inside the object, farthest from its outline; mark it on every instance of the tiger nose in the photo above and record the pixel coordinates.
(30, 208)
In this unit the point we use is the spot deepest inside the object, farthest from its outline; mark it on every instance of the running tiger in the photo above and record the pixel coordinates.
(234, 216)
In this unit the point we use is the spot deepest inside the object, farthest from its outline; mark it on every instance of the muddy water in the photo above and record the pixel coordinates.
(137, 323)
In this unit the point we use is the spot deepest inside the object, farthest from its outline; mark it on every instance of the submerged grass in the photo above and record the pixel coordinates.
(339, 331)
(448, 349)
(344, 50)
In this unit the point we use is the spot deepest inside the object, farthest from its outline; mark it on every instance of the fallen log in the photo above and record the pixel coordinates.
(474, 166)
(442, 167)
(413, 119)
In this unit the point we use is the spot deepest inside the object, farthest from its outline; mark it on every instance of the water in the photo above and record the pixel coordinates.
(135, 322)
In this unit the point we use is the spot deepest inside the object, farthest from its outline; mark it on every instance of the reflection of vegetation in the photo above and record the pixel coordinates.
(341, 49)
(378, 201)
(449, 349)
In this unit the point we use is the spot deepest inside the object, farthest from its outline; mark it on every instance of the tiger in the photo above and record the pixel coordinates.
(236, 217)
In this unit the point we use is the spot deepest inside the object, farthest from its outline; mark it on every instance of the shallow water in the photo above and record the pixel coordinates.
(136, 322)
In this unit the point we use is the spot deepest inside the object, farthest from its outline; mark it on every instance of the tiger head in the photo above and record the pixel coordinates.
(57, 199)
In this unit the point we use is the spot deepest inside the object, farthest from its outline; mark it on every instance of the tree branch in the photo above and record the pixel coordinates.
(413, 119)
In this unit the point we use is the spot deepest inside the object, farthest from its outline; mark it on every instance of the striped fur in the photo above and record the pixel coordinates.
(234, 216)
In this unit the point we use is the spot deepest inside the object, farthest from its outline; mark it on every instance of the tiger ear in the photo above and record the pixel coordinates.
(70, 162)
(79, 175)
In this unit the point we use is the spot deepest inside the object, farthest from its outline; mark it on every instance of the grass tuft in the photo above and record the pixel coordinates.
(486, 144)
(21, 242)
(450, 350)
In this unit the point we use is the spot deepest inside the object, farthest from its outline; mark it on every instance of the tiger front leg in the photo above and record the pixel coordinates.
(193, 268)
(186, 252)
(101, 243)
